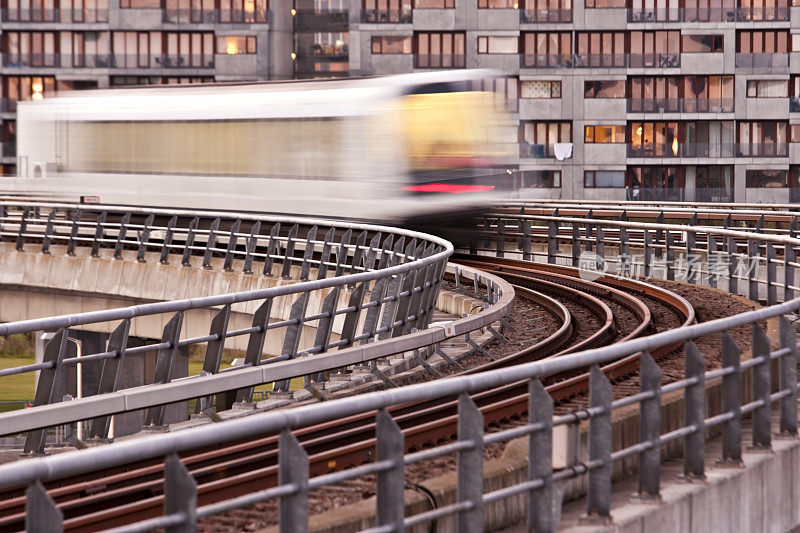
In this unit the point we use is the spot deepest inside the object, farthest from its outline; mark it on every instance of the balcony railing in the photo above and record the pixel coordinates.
(387, 16)
(324, 21)
(794, 104)
(214, 16)
(715, 14)
(9, 149)
(54, 15)
(439, 61)
(680, 105)
(545, 15)
(679, 194)
(762, 61)
(599, 60)
(667, 150)
(107, 61)
(536, 151)
(762, 150)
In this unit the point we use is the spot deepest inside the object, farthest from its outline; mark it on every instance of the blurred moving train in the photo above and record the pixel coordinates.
(394, 149)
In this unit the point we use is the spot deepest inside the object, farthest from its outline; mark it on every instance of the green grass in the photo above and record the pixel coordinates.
(19, 386)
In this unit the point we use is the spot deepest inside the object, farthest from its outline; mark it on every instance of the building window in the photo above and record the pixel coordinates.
(540, 89)
(140, 4)
(236, 44)
(604, 179)
(708, 94)
(794, 133)
(601, 49)
(604, 89)
(756, 179)
(655, 11)
(653, 139)
(604, 3)
(767, 88)
(498, 4)
(494, 44)
(391, 45)
(23, 88)
(762, 42)
(123, 81)
(534, 11)
(651, 94)
(434, 4)
(540, 179)
(659, 49)
(604, 134)
(29, 49)
(763, 10)
(397, 11)
(703, 44)
(763, 138)
(439, 49)
(656, 183)
(537, 139)
(546, 49)
(506, 89)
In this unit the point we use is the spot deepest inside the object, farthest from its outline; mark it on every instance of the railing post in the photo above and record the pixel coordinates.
(600, 435)
(650, 428)
(691, 257)
(648, 253)
(123, 230)
(308, 253)
(753, 252)
(576, 244)
(144, 237)
(325, 327)
(624, 253)
(168, 240)
(358, 252)
(789, 257)
(788, 380)
(255, 347)
(211, 242)
(211, 361)
(552, 241)
(190, 236)
(227, 264)
(99, 234)
(525, 229)
(501, 238)
(731, 402)
(391, 482)
(695, 406)
(164, 363)
(41, 513)
(733, 260)
(762, 437)
(48, 233)
(540, 459)
(50, 387)
(669, 242)
(325, 256)
(111, 374)
(180, 495)
(250, 247)
(272, 246)
(293, 470)
(601, 243)
(470, 465)
(73, 234)
(286, 268)
(772, 290)
(23, 226)
(711, 254)
(291, 339)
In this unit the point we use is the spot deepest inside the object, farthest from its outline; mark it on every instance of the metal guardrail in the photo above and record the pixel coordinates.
(371, 283)
(502, 235)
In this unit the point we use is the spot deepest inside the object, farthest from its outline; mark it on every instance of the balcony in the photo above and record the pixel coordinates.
(762, 61)
(387, 16)
(699, 194)
(715, 14)
(680, 105)
(691, 150)
(107, 61)
(69, 16)
(599, 60)
(322, 21)
(762, 150)
(214, 16)
(439, 61)
(545, 15)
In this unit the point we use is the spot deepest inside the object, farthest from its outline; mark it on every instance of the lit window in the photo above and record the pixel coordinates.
(236, 44)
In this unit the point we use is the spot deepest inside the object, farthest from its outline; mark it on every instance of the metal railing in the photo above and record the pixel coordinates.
(537, 491)
(58, 15)
(214, 16)
(439, 61)
(762, 61)
(387, 16)
(152, 61)
(713, 14)
(653, 60)
(356, 284)
(680, 105)
(692, 150)
(545, 15)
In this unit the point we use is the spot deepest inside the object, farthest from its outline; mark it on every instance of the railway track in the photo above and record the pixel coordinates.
(589, 314)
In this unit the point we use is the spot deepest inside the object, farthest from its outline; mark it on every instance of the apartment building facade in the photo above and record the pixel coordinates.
(695, 100)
